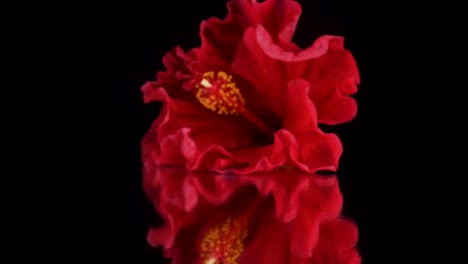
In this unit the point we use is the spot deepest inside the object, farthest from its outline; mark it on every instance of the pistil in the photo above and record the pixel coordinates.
(220, 94)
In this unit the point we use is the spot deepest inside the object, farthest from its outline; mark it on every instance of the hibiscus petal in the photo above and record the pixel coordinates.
(300, 116)
(181, 149)
(266, 74)
(285, 151)
(218, 159)
(220, 37)
(177, 63)
(318, 151)
(178, 149)
(185, 133)
(326, 65)
(206, 128)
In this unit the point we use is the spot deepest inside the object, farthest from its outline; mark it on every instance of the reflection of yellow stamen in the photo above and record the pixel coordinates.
(219, 94)
(224, 243)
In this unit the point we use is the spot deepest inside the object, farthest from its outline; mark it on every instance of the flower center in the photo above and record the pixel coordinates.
(220, 94)
(224, 243)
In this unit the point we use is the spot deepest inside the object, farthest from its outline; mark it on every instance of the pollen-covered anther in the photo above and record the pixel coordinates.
(223, 243)
(218, 93)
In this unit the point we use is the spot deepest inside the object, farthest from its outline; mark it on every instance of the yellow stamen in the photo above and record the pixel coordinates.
(219, 94)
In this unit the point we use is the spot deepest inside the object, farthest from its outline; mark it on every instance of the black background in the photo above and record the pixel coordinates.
(102, 55)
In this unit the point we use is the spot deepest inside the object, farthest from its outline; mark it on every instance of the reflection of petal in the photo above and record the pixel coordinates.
(305, 233)
(190, 196)
(215, 188)
(337, 243)
(190, 200)
(178, 191)
(290, 188)
(270, 245)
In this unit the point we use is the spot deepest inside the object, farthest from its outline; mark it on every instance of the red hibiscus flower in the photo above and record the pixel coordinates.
(248, 99)
(274, 217)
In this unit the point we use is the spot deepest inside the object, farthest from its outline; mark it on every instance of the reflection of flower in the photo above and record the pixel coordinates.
(275, 217)
(248, 99)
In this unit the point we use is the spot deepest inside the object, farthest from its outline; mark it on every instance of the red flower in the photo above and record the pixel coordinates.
(249, 100)
(276, 217)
